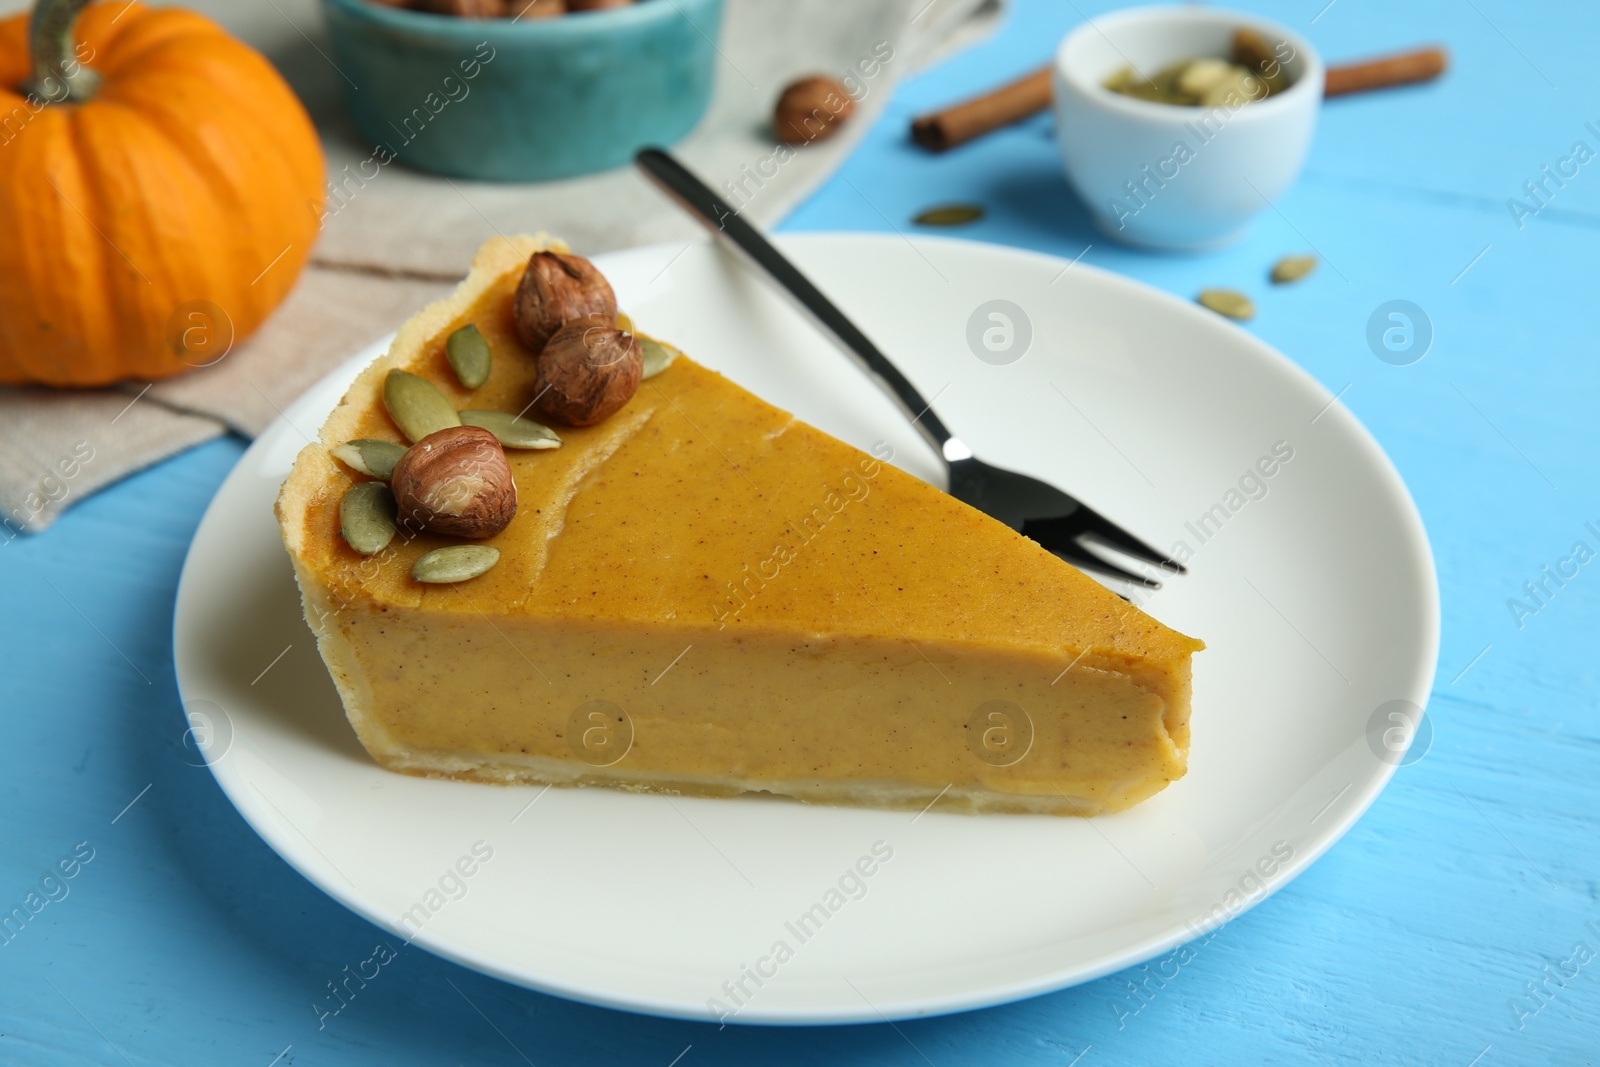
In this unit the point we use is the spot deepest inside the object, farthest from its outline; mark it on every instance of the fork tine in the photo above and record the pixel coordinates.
(1083, 559)
(1092, 522)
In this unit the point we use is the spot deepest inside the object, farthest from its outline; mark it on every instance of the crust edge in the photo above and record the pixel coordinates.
(314, 465)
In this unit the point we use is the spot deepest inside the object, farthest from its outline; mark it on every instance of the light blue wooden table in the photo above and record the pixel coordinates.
(1459, 923)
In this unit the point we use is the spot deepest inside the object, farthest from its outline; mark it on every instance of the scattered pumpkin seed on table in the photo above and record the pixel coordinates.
(512, 431)
(366, 517)
(469, 356)
(417, 406)
(657, 356)
(1292, 269)
(457, 563)
(1229, 302)
(370, 456)
(949, 215)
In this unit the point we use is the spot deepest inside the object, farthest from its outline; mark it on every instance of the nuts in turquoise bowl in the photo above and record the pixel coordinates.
(517, 101)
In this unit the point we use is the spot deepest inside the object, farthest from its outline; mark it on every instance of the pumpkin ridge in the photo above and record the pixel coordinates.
(101, 29)
(111, 255)
(232, 75)
(185, 241)
(234, 165)
(223, 81)
(28, 336)
(247, 222)
(125, 47)
(43, 248)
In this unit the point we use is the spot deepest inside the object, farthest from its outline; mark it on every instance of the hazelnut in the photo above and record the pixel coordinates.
(463, 9)
(556, 289)
(587, 371)
(536, 9)
(810, 109)
(455, 481)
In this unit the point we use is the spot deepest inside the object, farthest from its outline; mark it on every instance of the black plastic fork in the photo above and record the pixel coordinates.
(1056, 520)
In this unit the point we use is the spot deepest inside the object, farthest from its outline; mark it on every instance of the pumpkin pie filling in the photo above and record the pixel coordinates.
(704, 595)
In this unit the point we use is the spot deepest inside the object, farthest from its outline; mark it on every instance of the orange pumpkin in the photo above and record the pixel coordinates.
(160, 190)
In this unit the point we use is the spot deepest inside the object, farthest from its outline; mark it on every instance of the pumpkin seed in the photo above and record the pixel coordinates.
(416, 405)
(374, 458)
(1292, 269)
(1158, 88)
(513, 431)
(657, 356)
(950, 215)
(1229, 302)
(366, 517)
(1235, 90)
(458, 563)
(1201, 74)
(469, 356)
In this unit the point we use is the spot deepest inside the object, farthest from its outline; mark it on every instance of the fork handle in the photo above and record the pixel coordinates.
(730, 227)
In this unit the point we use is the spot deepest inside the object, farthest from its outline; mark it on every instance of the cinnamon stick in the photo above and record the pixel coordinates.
(1010, 103)
(941, 130)
(1402, 69)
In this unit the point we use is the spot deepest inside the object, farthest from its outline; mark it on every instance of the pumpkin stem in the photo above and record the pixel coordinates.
(58, 75)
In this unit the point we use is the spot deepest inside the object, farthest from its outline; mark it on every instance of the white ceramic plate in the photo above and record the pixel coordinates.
(1314, 589)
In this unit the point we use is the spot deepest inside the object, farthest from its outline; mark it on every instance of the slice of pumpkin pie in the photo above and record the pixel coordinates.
(655, 580)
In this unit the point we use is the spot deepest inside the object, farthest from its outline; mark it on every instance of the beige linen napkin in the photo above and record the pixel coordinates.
(392, 243)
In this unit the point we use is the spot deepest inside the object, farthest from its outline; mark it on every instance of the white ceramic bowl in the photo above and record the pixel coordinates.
(1175, 177)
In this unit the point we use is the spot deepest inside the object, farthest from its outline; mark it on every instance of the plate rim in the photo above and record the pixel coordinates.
(300, 853)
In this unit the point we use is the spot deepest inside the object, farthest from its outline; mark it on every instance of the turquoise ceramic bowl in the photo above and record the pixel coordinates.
(524, 101)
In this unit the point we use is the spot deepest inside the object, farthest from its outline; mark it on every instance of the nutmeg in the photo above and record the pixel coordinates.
(587, 371)
(810, 109)
(555, 289)
(455, 481)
